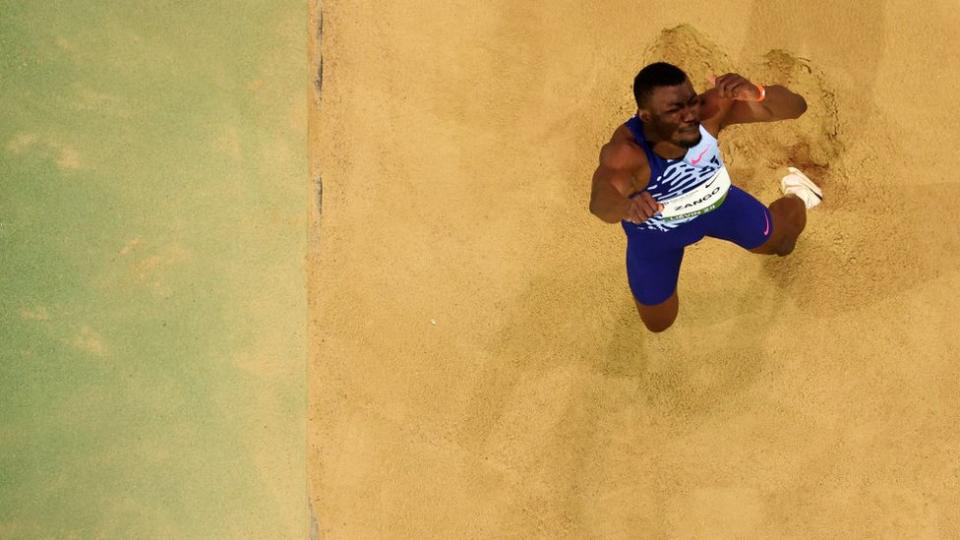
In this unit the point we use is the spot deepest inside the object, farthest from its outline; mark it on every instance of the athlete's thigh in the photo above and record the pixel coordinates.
(652, 276)
(741, 219)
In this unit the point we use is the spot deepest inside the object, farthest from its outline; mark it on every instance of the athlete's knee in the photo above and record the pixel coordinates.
(659, 317)
(659, 326)
(792, 212)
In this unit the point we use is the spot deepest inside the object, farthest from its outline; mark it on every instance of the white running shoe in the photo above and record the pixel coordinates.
(798, 184)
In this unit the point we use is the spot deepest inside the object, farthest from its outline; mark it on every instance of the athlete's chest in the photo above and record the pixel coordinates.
(702, 159)
(691, 185)
(705, 154)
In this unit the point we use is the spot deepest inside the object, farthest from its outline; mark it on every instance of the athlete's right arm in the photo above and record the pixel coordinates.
(612, 183)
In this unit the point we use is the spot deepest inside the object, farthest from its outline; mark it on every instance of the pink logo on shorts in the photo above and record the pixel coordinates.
(767, 229)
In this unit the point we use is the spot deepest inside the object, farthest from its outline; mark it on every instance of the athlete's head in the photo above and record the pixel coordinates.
(668, 103)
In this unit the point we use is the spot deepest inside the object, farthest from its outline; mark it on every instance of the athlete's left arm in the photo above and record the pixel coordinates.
(778, 104)
(733, 100)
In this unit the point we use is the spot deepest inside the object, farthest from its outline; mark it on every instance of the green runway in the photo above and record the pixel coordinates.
(152, 236)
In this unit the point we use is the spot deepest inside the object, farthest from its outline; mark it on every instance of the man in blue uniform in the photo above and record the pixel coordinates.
(662, 177)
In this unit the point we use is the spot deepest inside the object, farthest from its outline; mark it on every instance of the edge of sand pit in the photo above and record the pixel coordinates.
(315, 196)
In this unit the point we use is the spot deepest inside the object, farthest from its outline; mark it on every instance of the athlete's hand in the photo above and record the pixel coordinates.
(733, 86)
(641, 208)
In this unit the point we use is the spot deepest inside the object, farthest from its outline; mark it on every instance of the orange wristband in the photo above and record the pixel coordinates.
(763, 92)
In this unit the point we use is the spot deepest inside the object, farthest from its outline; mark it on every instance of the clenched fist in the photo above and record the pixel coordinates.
(734, 86)
(641, 207)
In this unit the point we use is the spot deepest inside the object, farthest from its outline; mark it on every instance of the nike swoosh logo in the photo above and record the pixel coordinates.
(712, 180)
(695, 161)
(767, 229)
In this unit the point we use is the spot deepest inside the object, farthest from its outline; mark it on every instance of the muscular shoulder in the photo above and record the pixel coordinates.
(622, 153)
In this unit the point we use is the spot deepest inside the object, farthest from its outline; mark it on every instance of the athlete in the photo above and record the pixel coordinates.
(663, 178)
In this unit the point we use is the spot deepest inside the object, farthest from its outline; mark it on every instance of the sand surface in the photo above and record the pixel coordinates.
(478, 368)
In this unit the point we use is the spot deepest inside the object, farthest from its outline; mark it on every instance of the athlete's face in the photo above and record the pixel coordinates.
(674, 113)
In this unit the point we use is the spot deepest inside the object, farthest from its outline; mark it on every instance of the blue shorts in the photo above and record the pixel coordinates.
(653, 257)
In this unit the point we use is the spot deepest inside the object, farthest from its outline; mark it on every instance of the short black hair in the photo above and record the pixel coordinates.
(656, 74)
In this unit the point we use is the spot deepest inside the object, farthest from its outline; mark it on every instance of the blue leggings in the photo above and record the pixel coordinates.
(653, 257)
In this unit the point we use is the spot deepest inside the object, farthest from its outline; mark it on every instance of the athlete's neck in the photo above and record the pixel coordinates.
(663, 148)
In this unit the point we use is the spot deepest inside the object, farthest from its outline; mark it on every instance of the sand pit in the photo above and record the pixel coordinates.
(478, 369)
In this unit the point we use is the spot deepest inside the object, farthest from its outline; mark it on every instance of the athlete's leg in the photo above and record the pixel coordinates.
(789, 216)
(745, 221)
(659, 317)
(653, 269)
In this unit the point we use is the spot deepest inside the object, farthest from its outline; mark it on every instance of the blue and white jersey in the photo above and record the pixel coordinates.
(670, 178)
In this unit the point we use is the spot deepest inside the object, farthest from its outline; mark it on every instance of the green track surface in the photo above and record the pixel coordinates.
(152, 239)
